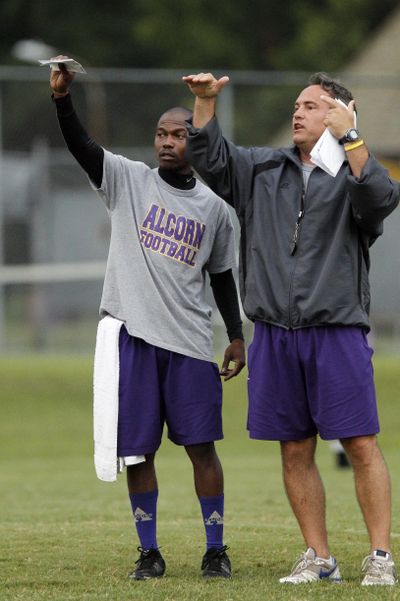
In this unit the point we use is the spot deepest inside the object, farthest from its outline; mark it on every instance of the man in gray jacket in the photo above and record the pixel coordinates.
(305, 239)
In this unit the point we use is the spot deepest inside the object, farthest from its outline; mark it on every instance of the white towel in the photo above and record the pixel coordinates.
(105, 401)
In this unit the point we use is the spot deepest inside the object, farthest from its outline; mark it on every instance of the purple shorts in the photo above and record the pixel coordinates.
(157, 386)
(309, 381)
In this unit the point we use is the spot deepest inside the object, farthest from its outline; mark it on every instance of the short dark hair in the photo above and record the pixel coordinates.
(332, 86)
(188, 114)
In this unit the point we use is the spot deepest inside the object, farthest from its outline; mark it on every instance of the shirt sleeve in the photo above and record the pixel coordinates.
(223, 253)
(113, 179)
(373, 197)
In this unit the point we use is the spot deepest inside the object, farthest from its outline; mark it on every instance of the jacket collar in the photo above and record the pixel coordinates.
(293, 155)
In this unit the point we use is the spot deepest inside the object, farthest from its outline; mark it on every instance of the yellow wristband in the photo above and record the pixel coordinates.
(353, 145)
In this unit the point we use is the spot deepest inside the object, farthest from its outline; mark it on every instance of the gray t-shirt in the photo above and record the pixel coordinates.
(306, 170)
(163, 240)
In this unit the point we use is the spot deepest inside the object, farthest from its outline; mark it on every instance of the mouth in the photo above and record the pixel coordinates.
(167, 155)
(297, 127)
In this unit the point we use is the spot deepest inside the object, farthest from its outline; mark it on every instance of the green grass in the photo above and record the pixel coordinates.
(66, 536)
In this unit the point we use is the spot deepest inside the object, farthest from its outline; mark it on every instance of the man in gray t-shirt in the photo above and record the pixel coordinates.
(167, 231)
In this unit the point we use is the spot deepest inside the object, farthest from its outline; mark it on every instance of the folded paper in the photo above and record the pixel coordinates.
(70, 63)
(327, 153)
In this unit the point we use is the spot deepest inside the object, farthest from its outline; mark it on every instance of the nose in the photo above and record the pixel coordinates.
(298, 113)
(168, 141)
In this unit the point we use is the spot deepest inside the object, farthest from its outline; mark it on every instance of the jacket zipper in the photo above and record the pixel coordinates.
(293, 247)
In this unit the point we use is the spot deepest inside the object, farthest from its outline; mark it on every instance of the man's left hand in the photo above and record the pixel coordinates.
(338, 118)
(236, 354)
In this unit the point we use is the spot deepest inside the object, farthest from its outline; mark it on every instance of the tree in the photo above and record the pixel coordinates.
(296, 35)
(306, 34)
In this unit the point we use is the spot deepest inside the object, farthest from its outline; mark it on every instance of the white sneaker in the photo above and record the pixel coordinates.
(310, 568)
(379, 569)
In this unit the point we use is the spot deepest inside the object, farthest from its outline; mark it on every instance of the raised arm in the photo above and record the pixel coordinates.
(85, 150)
(372, 193)
(225, 167)
(205, 88)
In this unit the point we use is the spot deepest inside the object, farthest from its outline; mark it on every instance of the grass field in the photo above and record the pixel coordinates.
(66, 536)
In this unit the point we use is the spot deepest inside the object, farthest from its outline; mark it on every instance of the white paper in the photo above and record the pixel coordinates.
(70, 63)
(327, 153)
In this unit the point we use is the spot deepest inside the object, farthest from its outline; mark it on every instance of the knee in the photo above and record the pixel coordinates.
(361, 450)
(143, 467)
(141, 477)
(297, 455)
(202, 456)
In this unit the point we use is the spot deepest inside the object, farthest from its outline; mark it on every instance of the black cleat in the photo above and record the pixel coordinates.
(149, 565)
(216, 563)
(342, 460)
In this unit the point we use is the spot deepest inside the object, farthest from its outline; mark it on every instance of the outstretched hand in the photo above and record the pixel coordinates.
(205, 85)
(236, 354)
(62, 79)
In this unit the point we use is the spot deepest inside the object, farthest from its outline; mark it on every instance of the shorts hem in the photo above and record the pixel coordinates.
(184, 443)
(280, 437)
(349, 434)
(142, 451)
(289, 437)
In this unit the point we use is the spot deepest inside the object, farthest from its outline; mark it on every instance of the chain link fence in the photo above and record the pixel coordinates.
(54, 232)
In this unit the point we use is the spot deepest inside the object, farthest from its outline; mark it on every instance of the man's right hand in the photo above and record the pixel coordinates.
(206, 88)
(62, 79)
(205, 85)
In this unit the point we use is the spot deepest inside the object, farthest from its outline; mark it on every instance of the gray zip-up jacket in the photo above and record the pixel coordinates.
(324, 281)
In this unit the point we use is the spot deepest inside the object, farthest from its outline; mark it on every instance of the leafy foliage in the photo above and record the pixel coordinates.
(198, 34)
(306, 36)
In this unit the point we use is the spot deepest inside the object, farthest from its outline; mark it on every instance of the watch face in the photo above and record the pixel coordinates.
(352, 135)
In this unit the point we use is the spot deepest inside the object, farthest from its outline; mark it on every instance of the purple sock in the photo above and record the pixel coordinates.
(212, 509)
(144, 508)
